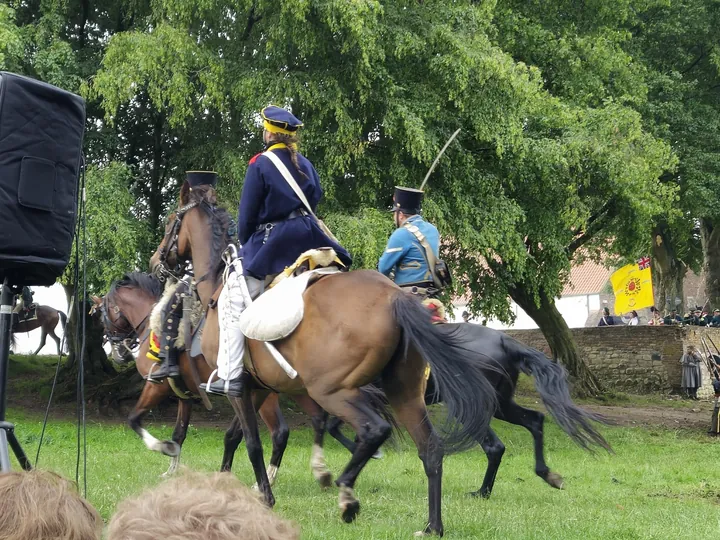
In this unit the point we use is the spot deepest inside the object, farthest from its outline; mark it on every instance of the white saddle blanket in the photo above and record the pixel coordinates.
(278, 312)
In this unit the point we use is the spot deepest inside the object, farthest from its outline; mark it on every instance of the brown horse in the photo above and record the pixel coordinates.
(126, 311)
(47, 319)
(357, 326)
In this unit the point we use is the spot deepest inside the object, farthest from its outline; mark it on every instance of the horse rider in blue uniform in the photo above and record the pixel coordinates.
(274, 228)
(404, 260)
(164, 350)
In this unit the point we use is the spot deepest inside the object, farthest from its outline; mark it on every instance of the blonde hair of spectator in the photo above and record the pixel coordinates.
(193, 506)
(40, 505)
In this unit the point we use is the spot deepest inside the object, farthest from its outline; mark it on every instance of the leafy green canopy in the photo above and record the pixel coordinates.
(539, 170)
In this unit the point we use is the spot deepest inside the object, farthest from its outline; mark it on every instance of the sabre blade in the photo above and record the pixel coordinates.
(432, 167)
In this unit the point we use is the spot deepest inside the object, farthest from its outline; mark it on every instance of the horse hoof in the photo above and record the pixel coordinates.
(429, 532)
(170, 448)
(325, 480)
(480, 494)
(255, 487)
(555, 480)
(351, 511)
(378, 455)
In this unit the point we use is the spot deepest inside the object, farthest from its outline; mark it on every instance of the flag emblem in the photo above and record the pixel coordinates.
(632, 285)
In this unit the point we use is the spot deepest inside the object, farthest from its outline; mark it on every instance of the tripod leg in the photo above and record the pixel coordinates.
(4, 457)
(18, 451)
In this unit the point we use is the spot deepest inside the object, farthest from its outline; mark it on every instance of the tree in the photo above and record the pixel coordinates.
(677, 43)
(550, 166)
(110, 240)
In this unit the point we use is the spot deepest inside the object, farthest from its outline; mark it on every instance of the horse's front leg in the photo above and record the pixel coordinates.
(179, 433)
(150, 397)
(245, 409)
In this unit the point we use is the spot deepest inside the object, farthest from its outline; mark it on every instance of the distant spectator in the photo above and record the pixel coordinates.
(606, 319)
(631, 319)
(465, 316)
(715, 320)
(673, 318)
(695, 317)
(691, 372)
(40, 505)
(199, 507)
(656, 319)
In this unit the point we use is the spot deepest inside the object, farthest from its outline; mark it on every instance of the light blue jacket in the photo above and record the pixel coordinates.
(404, 256)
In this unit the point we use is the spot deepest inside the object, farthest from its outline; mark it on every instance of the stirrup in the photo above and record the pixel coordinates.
(149, 376)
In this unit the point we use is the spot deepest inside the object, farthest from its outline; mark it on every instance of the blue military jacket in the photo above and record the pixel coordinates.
(268, 198)
(404, 256)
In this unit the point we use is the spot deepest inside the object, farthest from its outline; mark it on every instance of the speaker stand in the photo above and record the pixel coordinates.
(7, 430)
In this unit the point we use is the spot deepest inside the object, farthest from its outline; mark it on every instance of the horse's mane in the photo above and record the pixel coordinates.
(138, 280)
(221, 224)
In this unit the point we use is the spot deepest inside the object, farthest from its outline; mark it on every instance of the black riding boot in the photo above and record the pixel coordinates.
(221, 387)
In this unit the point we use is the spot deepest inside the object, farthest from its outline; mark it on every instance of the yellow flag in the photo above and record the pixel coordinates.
(632, 285)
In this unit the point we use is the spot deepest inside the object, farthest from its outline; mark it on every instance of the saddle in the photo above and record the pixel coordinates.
(26, 315)
(278, 312)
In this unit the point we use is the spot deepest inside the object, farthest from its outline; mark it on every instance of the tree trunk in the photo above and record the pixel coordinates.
(710, 237)
(559, 338)
(97, 366)
(668, 272)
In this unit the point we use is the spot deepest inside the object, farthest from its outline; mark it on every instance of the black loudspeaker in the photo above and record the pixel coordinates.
(41, 136)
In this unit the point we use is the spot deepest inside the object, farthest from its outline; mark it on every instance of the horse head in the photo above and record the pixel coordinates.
(121, 312)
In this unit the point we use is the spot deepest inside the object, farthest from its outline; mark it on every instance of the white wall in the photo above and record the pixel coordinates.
(574, 309)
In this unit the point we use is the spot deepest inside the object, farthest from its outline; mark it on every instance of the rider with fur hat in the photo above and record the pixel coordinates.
(162, 347)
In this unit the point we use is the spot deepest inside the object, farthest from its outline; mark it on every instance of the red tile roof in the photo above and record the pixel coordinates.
(586, 278)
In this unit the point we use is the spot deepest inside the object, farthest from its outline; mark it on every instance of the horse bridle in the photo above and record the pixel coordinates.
(128, 335)
(163, 270)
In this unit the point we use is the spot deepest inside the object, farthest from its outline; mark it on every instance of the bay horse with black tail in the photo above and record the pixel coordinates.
(357, 326)
(126, 310)
(47, 319)
(550, 382)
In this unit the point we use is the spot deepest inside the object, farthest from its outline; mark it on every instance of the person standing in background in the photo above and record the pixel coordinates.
(606, 319)
(691, 372)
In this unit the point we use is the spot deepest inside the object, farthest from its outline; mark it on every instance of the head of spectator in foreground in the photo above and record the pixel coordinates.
(194, 506)
(40, 505)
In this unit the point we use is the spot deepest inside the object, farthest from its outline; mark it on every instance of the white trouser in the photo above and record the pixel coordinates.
(231, 304)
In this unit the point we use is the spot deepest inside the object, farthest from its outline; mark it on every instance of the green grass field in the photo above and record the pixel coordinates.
(658, 484)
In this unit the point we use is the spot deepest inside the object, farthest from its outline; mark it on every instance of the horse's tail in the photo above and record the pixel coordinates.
(459, 373)
(63, 320)
(551, 383)
(63, 324)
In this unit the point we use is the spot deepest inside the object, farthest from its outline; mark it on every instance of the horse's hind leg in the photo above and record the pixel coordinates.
(494, 450)
(179, 433)
(353, 407)
(404, 386)
(151, 395)
(333, 428)
(533, 422)
(318, 417)
(56, 339)
(42, 342)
